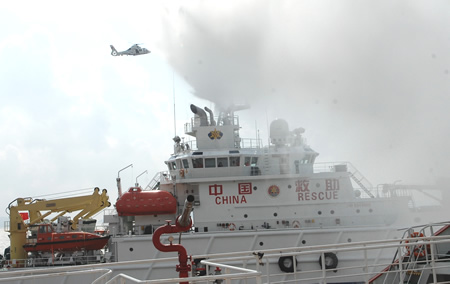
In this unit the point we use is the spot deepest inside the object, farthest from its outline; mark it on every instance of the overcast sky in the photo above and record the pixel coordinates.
(368, 80)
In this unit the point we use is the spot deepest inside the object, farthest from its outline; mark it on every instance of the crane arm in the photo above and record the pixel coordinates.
(89, 205)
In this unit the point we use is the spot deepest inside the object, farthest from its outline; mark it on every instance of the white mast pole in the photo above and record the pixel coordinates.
(174, 112)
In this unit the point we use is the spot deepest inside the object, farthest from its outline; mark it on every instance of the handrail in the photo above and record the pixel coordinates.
(244, 274)
(46, 275)
(234, 261)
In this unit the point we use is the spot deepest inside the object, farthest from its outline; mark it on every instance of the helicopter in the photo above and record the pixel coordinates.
(134, 50)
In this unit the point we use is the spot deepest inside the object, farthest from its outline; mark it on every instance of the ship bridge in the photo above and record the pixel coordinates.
(219, 151)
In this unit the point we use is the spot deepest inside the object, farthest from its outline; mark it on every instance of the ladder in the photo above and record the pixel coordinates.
(154, 183)
(360, 180)
(266, 160)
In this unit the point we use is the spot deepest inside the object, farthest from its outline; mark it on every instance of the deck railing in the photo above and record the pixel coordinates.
(399, 262)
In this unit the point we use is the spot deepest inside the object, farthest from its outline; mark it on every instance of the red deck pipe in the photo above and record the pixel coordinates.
(183, 268)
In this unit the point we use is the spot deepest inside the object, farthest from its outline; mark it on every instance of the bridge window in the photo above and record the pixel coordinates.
(297, 166)
(308, 159)
(210, 162)
(178, 163)
(254, 161)
(234, 161)
(174, 165)
(197, 163)
(185, 164)
(305, 160)
(171, 166)
(222, 162)
(247, 161)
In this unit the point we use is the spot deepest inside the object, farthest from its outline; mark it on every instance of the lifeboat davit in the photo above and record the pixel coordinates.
(139, 202)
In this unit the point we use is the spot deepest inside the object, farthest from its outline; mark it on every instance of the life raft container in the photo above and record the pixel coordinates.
(139, 202)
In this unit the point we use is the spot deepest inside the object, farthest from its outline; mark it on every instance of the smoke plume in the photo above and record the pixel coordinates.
(369, 80)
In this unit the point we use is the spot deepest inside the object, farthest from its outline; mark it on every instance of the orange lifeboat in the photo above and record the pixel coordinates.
(139, 202)
(48, 240)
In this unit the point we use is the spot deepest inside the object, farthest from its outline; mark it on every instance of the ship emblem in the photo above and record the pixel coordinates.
(273, 190)
(215, 134)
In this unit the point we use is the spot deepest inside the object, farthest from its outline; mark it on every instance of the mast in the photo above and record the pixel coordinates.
(174, 112)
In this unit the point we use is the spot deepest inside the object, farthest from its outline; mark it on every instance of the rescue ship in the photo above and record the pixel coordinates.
(248, 197)
(271, 205)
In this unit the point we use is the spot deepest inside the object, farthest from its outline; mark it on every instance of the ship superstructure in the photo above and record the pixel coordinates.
(249, 197)
(239, 185)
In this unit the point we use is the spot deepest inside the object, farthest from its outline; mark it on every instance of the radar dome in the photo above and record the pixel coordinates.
(279, 132)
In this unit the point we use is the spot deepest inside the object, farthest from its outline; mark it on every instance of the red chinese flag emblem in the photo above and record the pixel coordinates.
(24, 215)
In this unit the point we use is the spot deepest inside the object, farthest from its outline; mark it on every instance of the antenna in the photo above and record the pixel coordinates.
(268, 130)
(174, 112)
(259, 140)
(256, 129)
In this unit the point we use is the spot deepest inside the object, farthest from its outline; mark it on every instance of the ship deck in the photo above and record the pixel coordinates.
(310, 266)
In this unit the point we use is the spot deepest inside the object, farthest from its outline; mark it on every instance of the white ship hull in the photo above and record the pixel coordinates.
(424, 259)
(211, 244)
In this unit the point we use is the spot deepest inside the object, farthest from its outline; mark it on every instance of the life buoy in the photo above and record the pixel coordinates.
(232, 227)
(182, 173)
(286, 263)
(296, 224)
(330, 260)
(418, 250)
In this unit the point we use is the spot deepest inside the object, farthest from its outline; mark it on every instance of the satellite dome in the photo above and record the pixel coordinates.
(279, 132)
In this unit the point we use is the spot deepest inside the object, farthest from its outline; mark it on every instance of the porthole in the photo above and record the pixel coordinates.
(245, 215)
(255, 188)
(289, 186)
(261, 244)
(275, 214)
(320, 212)
(131, 249)
(332, 211)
